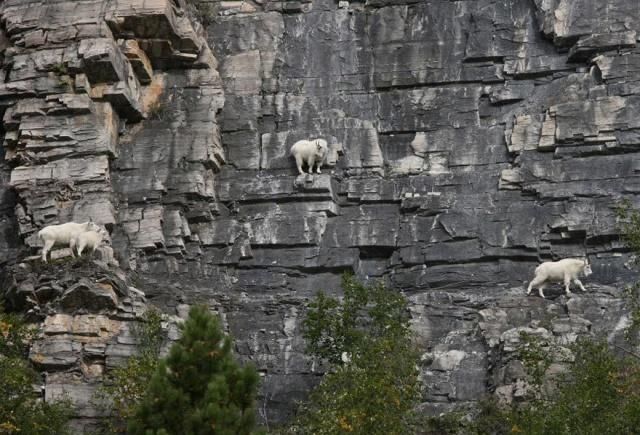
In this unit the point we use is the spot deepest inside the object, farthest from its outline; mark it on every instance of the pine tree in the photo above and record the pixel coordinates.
(199, 388)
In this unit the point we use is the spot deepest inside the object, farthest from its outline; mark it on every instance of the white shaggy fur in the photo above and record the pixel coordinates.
(62, 234)
(310, 152)
(88, 239)
(566, 270)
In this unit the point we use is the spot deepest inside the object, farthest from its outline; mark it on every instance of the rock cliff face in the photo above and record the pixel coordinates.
(468, 141)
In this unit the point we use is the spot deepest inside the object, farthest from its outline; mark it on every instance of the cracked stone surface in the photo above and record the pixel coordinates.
(469, 140)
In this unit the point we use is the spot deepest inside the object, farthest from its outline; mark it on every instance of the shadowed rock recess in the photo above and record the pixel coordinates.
(469, 140)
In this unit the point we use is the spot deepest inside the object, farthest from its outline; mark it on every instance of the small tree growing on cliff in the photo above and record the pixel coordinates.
(372, 385)
(125, 386)
(21, 412)
(199, 388)
(629, 224)
(599, 394)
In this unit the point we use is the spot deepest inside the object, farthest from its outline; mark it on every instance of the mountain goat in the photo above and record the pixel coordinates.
(62, 234)
(310, 151)
(88, 239)
(566, 270)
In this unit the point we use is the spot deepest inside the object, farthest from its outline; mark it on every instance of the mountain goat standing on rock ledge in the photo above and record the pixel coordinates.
(310, 151)
(566, 270)
(63, 234)
(88, 239)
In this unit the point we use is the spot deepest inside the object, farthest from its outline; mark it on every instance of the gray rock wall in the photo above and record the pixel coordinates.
(109, 112)
(469, 140)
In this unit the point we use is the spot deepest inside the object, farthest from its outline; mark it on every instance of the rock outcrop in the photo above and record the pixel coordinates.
(468, 141)
(109, 112)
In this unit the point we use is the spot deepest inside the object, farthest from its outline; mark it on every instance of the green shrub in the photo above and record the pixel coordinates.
(372, 384)
(21, 412)
(124, 386)
(629, 225)
(60, 69)
(158, 110)
(206, 11)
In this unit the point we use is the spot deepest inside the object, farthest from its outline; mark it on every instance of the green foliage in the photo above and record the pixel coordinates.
(158, 110)
(60, 69)
(149, 333)
(199, 388)
(489, 418)
(632, 295)
(62, 73)
(125, 386)
(20, 410)
(206, 11)
(372, 385)
(591, 400)
(629, 225)
(600, 394)
(452, 423)
(536, 356)
(493, 418)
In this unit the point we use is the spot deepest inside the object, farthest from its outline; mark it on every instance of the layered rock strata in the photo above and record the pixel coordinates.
(468, 141)
(89, 99)
(471, 140)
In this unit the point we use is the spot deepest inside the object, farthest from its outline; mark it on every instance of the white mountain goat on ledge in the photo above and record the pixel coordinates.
(62, 234)
(310, 151)
(88, 239)
(566, 270)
